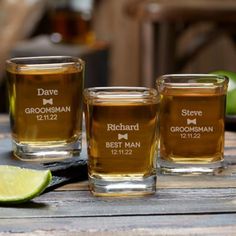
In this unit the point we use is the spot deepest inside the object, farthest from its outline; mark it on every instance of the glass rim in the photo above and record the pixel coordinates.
(192, 80)
(116, 93)
(18, 64)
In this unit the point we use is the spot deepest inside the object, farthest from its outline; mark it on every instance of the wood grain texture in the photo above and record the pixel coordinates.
(171, 201)
(182, 205)
(136, 225)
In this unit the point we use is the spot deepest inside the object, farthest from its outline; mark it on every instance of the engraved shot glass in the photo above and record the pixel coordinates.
(192, 123)
(122, 139)
(45, 97)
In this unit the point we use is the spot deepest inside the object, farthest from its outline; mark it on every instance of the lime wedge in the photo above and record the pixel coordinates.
(231, 94)
(20, 184)
(230, 74)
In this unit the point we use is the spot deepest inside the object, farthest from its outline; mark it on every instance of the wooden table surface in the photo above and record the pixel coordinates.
(197, 205)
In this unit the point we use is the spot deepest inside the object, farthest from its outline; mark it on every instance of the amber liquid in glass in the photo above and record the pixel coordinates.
(45, 107)
(192, 127)
(122, 139)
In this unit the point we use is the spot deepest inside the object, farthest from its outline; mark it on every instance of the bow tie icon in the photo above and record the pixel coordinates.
(191, 121)
(48, 101)
(122, 136)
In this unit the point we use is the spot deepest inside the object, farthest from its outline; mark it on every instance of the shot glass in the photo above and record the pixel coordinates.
(45, 97)
(192, 123)
(122, 138)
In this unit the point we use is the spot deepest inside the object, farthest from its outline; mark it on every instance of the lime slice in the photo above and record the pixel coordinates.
(230, 74)
(231, 94)
(20, 184)
(231, 102)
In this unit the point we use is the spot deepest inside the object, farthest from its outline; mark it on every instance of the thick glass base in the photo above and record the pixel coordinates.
(127, 186)
(166, 167)
(46, 152)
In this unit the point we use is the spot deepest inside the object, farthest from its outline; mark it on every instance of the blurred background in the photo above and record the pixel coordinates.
(124, 42)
